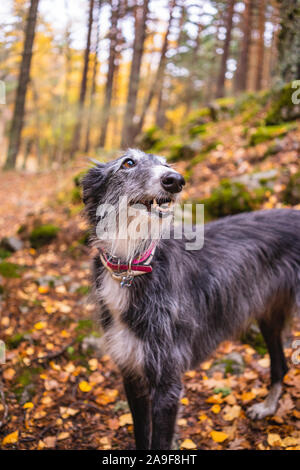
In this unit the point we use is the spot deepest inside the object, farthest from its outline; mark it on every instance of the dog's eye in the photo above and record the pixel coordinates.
(128, 163)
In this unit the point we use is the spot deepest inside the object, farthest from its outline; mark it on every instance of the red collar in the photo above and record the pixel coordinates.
(125, 273)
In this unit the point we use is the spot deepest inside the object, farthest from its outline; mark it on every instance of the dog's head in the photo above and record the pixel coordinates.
(146, 182)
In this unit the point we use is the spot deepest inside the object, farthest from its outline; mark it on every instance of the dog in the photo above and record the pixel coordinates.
(164, 309)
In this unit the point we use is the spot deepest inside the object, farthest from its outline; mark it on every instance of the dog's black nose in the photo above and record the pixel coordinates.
(172, 182)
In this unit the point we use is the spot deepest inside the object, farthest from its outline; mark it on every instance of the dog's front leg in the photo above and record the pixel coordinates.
(164, 414)
(139, 402)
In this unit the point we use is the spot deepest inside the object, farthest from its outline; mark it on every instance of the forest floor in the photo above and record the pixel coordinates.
(55, 395)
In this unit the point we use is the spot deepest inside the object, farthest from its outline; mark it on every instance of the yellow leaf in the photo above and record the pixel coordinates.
(218, 436)
(216, 409)
(11, 438)
(64, 334)
(274, 439)
(107, 396)
(63, 435)
(182, 422)
(188, 444)
(43, 289)
(265, 362)
(85, 386)
(9, 373)
(93, 364)
(202, 417)
(232, 412)
(125, 419)
(185, 401)
(190, 373)
(290, 441)
(40, 325)
(28, 405)
(247, 396)
(214, 399)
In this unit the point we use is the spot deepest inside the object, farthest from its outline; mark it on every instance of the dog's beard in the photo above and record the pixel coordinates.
(127, 237)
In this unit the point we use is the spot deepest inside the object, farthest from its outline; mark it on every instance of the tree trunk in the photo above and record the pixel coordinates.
(83, 86)
(111, 70)
(223, 68)
(242, 72)
(94, 79)
(261, 45)
(19, 108)
(141, 13)
(289, 40)
(158, 81)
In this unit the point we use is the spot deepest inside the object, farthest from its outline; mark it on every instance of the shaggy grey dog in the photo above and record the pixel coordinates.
(166, 321)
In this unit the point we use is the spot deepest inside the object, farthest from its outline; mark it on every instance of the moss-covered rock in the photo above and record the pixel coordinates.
(78, 178)
(283, 108)
(291, 194)
(265, 133)
(150, 138)
(233, 198)
(10, 270)
(43, 235)
(254, 338)
(181, 152)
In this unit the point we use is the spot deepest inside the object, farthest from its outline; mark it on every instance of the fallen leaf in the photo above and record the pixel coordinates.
(125, 419)
(185, 401)
(9, 374)
(28, 405)
(63, 435)
(84, 386)
(43, 289)
(274, 440)
(216, 409)
(107, 396)
(50, 441)
(232, 412)
(11, 438)
(40, 325)
(218, 436)
(188, 444)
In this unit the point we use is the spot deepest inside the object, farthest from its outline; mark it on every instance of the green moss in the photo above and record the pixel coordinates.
(225, 391)
(14, 341)
(181, 152)
(10, 270)
(232, 198)
(78, 178)
(291, 195)
(265, 133)
(282, 108)
(199, 129)
(76, 197)
(84, 239)
(43, 235)
(4, 253)
(83, 290)
(254, 338)
(150, 138)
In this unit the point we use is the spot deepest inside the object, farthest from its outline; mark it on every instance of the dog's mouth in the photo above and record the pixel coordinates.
(161, 206)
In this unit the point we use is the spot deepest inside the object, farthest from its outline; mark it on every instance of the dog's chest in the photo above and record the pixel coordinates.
(121, 343)
(115, 297)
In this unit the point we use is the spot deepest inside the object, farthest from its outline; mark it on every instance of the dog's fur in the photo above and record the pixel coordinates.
(170, 320)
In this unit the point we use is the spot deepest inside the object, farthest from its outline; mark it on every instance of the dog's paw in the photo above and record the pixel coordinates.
(260, 411)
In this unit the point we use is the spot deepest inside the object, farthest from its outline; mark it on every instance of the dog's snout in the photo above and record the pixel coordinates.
(172, 182)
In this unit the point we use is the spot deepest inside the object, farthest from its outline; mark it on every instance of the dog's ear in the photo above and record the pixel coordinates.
(92, 181)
